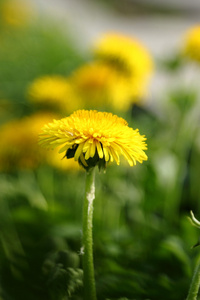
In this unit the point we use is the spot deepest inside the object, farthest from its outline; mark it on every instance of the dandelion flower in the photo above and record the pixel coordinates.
(125, 91)
(191, 47)
(92, 84)
(132, 67)
(125, 53)
(100, 85)
(95, 138)
(53, 92)
(19, 148)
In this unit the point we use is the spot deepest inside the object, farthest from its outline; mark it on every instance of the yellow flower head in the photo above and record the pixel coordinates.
(125, 53)
(191, 47)
(132, 68)
(125, 91)
(95, 138)
(54, 92)
(101, 85)
(92, 84)
(92, 77)
(19, 148)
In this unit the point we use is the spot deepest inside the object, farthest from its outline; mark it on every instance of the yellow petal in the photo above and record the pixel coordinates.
(86, 145)
(93, 149)
(83, 160)
(106, 153)
(115, 155)
(78, 151)
(99, 150)
(87, 153)
(64, 148)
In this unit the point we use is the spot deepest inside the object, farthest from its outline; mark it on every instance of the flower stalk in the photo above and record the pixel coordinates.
(88, 266)
(194, 287)
(195, 284)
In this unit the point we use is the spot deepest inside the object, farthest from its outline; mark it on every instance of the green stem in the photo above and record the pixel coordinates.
(88, 267)
(194, 287)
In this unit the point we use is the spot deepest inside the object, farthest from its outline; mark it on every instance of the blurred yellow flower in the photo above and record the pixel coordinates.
(19, 143)
(125, 91)
(53, 92)
(191, 44)
(58, 161)
(118, 77)
(91, 83)
(91, 77)
(16, 12)
(100, 85)
(95, 138)
(128, 55)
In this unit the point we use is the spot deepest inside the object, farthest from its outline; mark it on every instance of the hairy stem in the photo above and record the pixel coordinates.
(194, 287)
(88, 267)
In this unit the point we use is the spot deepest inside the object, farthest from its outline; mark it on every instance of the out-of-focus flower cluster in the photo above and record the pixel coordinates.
(116, 77)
